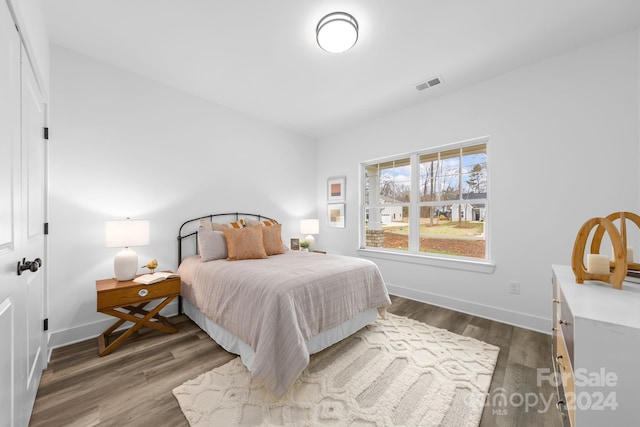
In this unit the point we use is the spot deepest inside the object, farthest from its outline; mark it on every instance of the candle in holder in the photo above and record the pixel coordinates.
(629, 255)
(597, 264)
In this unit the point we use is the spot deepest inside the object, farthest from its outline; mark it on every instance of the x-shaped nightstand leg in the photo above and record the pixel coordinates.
(161, 324)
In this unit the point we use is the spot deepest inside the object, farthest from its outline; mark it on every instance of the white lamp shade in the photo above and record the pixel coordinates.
(126, 233)
(309, 226)
(337, 32)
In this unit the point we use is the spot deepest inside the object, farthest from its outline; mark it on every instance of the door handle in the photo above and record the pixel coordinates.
(29, 265)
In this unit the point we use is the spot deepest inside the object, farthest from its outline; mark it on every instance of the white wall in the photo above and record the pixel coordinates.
(123, 145)
(563, 149)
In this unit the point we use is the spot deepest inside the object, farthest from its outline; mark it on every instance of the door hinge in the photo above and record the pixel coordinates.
(46, 228)
(46, 133)
(45, 324)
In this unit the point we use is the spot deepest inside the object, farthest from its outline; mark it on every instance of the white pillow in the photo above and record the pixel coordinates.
(212, 245)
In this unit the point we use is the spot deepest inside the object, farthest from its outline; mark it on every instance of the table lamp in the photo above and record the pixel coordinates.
(310, 227)
(123, 234)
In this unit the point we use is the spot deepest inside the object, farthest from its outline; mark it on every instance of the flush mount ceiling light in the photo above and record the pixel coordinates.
(337, 32)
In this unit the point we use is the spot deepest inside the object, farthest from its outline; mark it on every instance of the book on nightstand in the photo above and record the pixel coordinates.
(147, 279)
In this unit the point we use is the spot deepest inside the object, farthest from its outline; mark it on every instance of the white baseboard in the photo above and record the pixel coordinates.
(527, 321)
(92, 330)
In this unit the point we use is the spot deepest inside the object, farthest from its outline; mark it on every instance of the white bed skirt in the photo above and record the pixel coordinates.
(234, 345)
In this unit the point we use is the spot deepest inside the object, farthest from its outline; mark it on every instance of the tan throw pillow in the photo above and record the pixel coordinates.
(272, 238)
(244, 243)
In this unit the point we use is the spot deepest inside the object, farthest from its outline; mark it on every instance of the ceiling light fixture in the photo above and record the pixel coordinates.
(337, 32)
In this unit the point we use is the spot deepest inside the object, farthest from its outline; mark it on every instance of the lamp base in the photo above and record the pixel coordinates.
(125, 265)
(312, 242)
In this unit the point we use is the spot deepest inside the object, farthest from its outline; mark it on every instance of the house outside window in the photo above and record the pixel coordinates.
(430, 202)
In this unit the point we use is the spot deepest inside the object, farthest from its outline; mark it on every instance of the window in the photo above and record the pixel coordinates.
(430, 202)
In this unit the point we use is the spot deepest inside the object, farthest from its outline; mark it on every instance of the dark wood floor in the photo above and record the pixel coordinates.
(132, 386)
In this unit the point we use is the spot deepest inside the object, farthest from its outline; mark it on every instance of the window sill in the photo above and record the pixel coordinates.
(485, 267)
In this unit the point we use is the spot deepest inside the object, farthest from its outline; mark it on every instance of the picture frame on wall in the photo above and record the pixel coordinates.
(335, 215)
(295, 244)
(336, 189)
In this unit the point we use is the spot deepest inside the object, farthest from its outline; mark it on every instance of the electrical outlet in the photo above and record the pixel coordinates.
(514, 288)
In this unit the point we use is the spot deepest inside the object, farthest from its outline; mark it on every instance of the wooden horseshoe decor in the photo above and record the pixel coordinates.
(617, 275)
(623, 217)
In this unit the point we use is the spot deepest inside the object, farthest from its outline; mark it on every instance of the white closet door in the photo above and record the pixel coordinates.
(23, 159)
(33, 219)
(12, 294)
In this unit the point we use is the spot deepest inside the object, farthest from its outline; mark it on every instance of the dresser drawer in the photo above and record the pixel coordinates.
(119, 296)
(562, 357)
(566, 325)
(565, 369)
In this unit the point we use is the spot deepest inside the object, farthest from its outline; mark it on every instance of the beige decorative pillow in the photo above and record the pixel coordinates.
(210, 225)
(244, 243)
(248, 222)
(272, 238)
(236, 224)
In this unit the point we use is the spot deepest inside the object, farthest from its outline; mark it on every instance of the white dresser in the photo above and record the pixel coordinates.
(596, 349)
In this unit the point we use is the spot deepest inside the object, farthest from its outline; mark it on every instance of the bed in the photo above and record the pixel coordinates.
(275, 306)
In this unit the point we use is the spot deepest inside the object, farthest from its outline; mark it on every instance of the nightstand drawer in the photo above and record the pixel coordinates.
(134, 293)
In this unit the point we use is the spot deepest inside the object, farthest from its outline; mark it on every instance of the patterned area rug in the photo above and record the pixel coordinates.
(395, 372)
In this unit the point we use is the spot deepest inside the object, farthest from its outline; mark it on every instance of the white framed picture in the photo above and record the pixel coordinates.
(336, 189)
(335, 212)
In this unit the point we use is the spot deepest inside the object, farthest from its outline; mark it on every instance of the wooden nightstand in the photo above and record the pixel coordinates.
(133, 297)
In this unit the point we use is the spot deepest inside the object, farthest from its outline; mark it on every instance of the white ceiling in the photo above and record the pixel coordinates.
(260, 56)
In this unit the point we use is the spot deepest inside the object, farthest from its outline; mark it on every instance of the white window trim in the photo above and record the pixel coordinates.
(465, 264)
(413, 255)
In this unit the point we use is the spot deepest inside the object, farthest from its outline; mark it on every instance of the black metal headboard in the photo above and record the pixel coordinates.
(190, 230)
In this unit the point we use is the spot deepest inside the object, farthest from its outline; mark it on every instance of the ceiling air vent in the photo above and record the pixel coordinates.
(429, 83)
